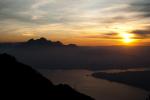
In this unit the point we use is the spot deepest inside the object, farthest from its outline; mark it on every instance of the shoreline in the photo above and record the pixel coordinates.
(140, 80)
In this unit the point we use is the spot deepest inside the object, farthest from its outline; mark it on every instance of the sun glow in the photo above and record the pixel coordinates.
(127, 38)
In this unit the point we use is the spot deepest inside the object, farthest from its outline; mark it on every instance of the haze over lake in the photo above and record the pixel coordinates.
(97, 88)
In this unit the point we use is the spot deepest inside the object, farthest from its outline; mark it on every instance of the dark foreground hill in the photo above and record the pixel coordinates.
(19, 81)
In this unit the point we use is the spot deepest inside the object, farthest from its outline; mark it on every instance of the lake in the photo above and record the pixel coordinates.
(123, 70)
(100, 89)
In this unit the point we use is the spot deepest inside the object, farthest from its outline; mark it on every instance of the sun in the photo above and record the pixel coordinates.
(127, 37)
(127, 40)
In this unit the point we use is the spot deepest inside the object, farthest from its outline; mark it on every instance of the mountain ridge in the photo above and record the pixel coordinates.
(21, 81)
(40, 42)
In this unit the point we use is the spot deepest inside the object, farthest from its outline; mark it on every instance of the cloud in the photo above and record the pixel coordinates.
(28, 34)
(57, 11)
(142, 7)
(141, 34)
(23, 10)
(103, 36)
(70, 11)
(72, 17)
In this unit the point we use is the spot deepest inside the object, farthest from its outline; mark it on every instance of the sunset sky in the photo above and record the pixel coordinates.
(83, 22)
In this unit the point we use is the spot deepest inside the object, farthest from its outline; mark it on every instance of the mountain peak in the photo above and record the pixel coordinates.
(45, 42)
(40, 42)
(42, 39)
(30, 40)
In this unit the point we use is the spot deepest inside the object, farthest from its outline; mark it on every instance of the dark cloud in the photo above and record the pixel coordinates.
(104, 35)
(143, 7)
(142, 33)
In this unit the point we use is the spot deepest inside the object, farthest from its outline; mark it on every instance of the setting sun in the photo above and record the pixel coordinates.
(127, 38)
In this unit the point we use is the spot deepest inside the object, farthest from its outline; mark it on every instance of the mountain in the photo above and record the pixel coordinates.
(19, 81)
(42, 53)
(41, 42)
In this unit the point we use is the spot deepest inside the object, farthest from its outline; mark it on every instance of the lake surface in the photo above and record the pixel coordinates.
(124, 70)
(99, 89)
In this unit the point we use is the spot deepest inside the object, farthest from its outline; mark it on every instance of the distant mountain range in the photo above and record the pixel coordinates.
(19, 81)
(42, 42)
(43, 53)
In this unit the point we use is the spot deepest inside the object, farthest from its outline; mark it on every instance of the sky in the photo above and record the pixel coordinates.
(82, 22)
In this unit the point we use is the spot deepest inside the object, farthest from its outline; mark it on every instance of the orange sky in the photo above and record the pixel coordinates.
(82, 22)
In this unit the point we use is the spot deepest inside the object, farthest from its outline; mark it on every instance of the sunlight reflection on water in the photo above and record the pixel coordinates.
(124, 70)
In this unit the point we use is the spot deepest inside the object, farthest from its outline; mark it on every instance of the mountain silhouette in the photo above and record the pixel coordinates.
(19, 81)
(41, 42)
(44, 42)
(42, 53)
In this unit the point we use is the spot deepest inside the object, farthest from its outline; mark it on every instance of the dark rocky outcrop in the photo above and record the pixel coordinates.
(19, 81)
